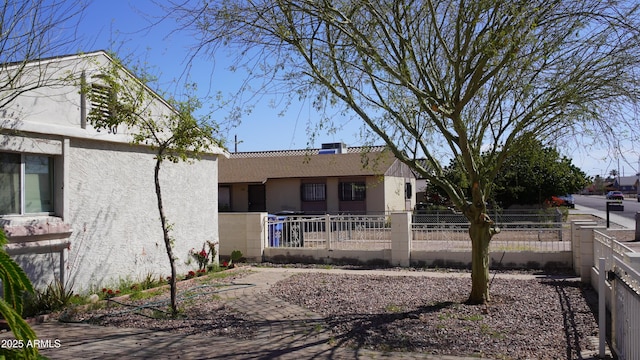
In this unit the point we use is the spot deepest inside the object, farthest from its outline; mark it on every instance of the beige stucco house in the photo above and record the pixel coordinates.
(335, 179)
(79, 204)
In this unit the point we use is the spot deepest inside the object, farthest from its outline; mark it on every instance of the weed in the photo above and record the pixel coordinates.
(140, 295)
(216, 275)
(393, 308)
(474, 317)
(151, 281)
(485, 329)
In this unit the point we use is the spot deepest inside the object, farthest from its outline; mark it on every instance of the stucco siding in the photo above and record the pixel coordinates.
(239, 197)
(114, 216)
(283, 194)
(104, 224)
(333, 202)
(395, 193)
(375, 195)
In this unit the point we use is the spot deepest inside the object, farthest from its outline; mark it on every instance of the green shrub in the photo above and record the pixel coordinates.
(54, 298)
(15, 283)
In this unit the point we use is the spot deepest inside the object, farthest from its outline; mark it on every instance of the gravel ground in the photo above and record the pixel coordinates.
(201, 310)
(526, 319)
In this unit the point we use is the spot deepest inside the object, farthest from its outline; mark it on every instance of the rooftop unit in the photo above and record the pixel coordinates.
(333, 148)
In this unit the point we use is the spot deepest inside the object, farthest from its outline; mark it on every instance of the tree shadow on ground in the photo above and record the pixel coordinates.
(572, 334)
(372, 330)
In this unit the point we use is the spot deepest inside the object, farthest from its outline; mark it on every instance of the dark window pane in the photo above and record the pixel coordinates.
(9, 183)
(313, 192)
(38, 184)
(352, 191)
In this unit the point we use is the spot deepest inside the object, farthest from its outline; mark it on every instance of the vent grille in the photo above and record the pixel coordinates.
(101, 101)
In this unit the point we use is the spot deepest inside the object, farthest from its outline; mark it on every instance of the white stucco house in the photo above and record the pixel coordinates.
(79, 204)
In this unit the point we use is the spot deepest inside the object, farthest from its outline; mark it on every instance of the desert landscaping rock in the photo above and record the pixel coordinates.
(545, 318)
(534, 319)
(202, 311)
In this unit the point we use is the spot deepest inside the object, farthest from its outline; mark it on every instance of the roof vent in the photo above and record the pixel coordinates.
(333, 148)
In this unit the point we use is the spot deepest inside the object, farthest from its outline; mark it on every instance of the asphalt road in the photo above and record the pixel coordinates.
(599, 202)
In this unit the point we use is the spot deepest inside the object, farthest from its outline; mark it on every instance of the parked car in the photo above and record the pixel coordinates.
(569, 201)
(615, 195)
(564, 200)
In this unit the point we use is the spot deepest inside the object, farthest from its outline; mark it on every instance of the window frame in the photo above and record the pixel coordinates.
(356, 190)
(408, 191)
(23, 184)
(318, 192)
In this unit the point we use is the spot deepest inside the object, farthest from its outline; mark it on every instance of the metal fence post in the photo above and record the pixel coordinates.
(602, 311)
(327, 227)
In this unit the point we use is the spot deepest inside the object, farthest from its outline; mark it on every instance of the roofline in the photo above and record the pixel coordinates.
(58, 57)
(78, 133)
(304, 152)
(82, 55)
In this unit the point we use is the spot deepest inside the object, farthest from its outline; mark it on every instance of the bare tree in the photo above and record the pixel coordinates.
(443, 79)
(32, 30)
(168, 127)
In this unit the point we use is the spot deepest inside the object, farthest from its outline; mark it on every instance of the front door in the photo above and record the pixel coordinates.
(257, 198)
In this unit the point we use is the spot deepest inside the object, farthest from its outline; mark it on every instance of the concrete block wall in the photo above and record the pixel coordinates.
(401, 239)
(244, 232)
(582, 230)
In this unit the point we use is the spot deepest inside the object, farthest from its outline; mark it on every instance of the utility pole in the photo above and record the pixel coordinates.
(235, 143)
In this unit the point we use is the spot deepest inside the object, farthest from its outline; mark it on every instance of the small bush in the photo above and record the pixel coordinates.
(236, 255)
(54, 298)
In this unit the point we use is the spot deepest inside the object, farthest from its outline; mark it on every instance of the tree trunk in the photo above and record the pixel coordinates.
(481, 230)
(167, 237)
(480, 233)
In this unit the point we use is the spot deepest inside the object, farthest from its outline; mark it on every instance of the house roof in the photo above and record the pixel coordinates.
(261, 166)
(304, 152)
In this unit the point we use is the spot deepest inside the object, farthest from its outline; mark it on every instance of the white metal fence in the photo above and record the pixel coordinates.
(515, 237)
(373, 232)
(606, 247)
(625, 301)
(626, 311)
(501, 217)
(349, 232)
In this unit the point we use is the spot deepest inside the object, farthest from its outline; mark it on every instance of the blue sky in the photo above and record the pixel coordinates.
(124, 26)
(120, 25)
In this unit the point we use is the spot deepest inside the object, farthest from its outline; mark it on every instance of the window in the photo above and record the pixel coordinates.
(224, 198)
(10, 183)
(408, 191)
(26, 184)
(313, 192)
(352, 191)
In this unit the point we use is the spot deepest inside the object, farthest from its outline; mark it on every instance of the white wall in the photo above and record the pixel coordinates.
(104, 189)
(113, 211)
(395, 198)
